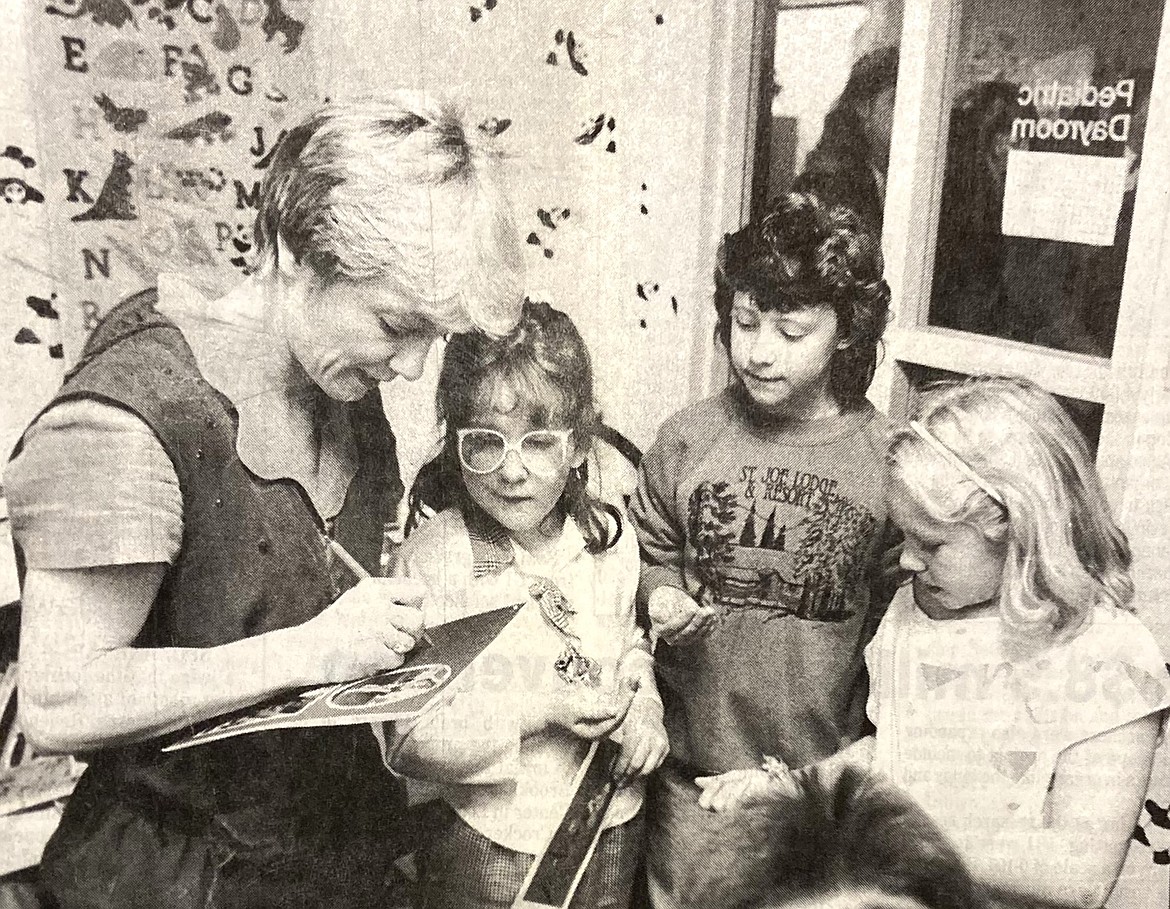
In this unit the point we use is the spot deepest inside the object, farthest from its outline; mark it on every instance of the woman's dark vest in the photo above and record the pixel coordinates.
(251, 561)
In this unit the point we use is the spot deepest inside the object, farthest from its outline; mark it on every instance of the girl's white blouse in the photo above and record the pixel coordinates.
(514, 792)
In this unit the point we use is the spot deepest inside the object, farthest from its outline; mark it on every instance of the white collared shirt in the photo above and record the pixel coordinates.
(514, 792)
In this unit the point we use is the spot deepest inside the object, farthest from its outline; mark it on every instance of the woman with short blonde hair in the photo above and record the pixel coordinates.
(172, 508)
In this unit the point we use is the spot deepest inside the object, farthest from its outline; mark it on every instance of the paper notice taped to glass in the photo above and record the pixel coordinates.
(1069, 198)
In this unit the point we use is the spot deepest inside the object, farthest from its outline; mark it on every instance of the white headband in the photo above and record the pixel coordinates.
(956, 462)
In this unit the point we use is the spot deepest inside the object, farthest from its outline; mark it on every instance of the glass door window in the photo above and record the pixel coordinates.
(1023, 219)
(1025, 231)
(827, 84)
(1043, 151)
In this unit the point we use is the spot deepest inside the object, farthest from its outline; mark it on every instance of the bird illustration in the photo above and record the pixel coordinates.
(123, 119)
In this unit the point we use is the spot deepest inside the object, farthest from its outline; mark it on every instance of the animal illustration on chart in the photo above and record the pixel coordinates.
(103, 12)
(278, 22)
(199, 80)
(593, 131)
(226, 34)
(114, 202)
(549, 219)
(123, 119)
(208, 128)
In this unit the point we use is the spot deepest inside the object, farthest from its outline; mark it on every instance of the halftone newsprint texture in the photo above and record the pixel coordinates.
(1014, 156)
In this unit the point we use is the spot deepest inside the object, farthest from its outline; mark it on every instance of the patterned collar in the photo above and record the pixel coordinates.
(492, 549)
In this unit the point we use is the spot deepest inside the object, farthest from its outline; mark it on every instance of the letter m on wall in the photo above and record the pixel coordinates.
(245, 198)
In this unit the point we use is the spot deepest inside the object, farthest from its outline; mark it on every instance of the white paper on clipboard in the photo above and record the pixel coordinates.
(1069, 198)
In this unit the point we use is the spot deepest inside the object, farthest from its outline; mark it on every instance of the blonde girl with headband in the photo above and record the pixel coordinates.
(1015, 694)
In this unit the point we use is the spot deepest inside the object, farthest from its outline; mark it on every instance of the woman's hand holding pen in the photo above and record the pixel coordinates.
(368, 629)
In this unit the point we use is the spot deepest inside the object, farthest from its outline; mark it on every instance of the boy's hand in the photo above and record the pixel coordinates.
(737, 789)
(677, 619)
(644, 742)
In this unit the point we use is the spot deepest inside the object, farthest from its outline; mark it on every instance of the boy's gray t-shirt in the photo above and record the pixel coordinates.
(780, 527)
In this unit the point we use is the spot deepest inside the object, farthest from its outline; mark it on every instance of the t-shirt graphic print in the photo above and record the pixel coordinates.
(779, 541)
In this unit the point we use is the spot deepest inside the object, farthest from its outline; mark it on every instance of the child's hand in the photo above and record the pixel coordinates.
(737, 789)
(586, 711)
(644, 742)
(677, 619)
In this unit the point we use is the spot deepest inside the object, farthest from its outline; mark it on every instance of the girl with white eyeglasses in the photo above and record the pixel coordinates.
(515, 523)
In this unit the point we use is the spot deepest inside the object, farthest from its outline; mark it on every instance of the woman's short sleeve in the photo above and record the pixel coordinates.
(93, 486)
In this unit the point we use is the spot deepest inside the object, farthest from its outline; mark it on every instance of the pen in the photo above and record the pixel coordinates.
(359, 572)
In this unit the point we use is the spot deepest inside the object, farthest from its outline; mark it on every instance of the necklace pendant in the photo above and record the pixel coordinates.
(574, 668)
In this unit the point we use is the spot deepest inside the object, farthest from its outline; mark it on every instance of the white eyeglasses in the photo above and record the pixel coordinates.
(542, 451)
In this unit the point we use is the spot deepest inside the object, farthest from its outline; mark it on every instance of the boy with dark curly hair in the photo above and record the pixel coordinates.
(761, 514)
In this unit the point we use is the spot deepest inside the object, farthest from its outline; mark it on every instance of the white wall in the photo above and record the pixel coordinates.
(29, 374)
(651, 78)
(647, 75)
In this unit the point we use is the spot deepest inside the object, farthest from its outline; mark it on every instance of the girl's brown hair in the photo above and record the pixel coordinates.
(546, 363)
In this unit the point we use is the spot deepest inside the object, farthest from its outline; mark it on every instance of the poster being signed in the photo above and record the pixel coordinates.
(391, 695)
